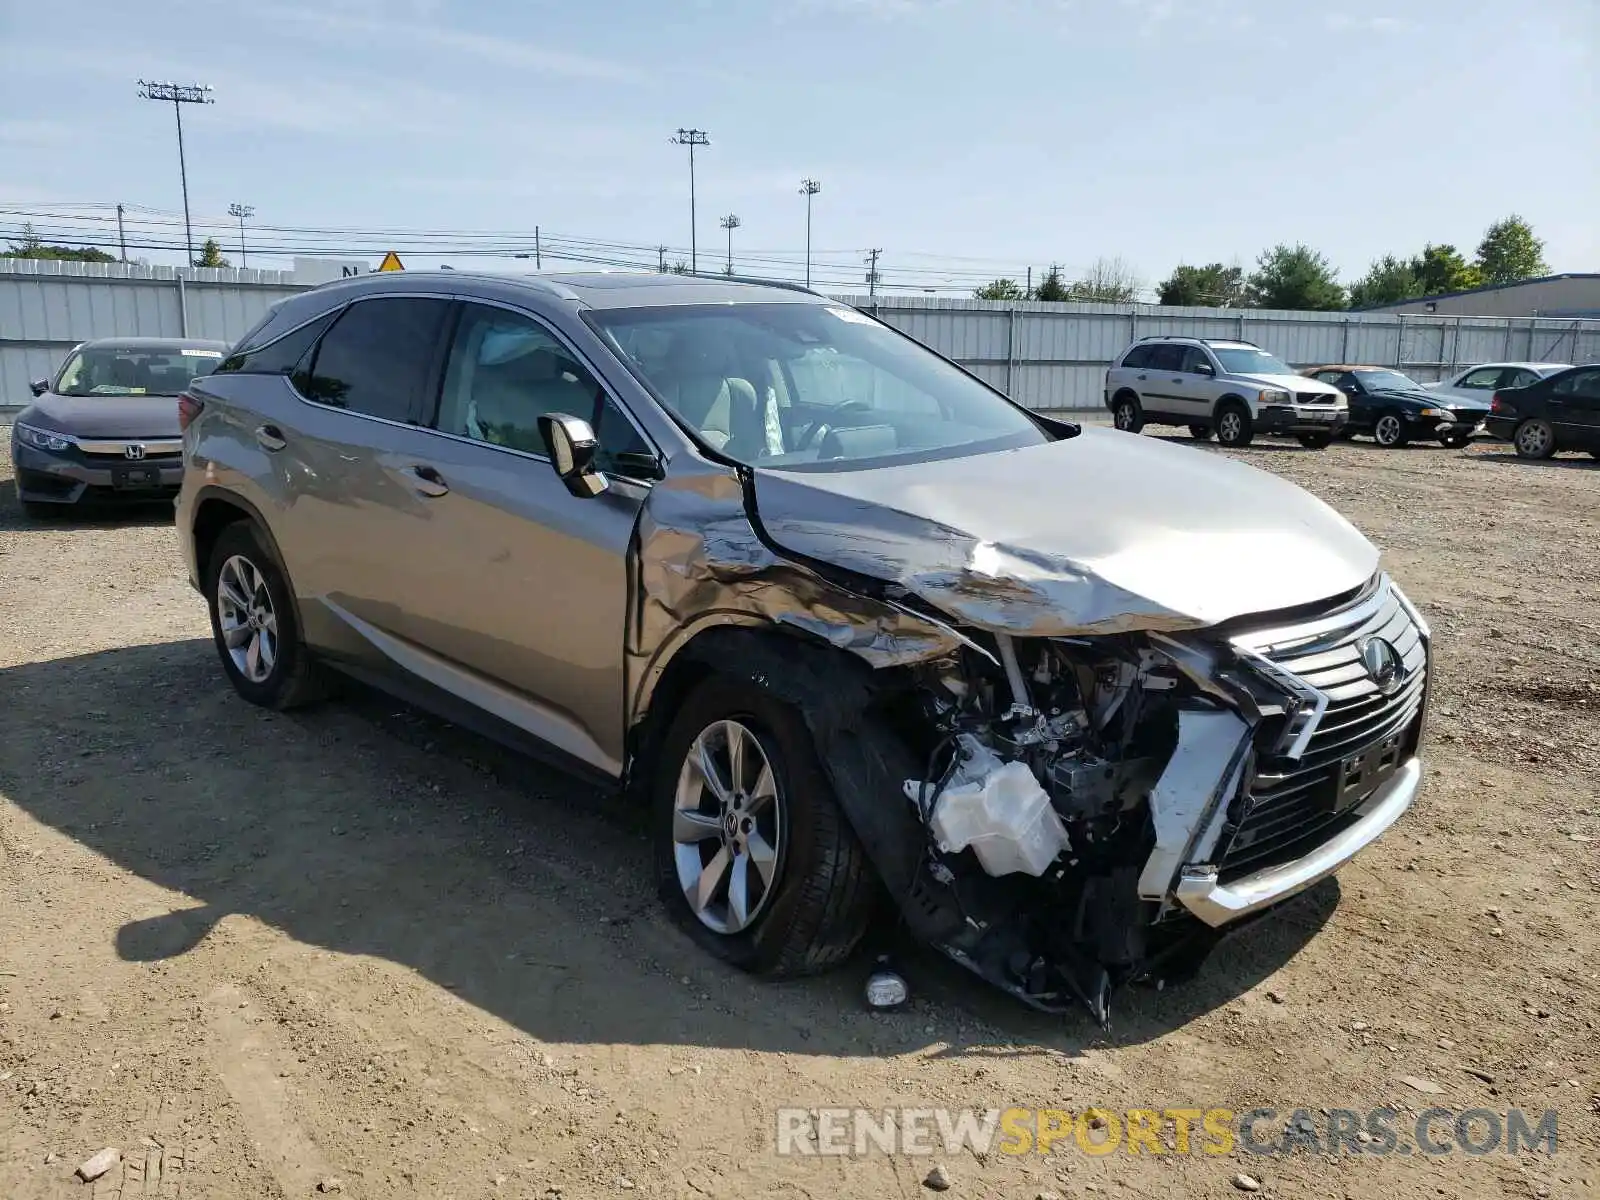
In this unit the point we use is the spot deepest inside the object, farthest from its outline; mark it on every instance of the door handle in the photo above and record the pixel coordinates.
(270, 437)
(426, 480)
(1177, 381)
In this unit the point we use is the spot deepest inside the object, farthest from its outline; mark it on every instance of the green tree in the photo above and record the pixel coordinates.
(211, 255)
(1214, 286)
(1052, 286)
(1510, 252)
(1294, 277)
(1388, 281)
(1442, 269)
(1001, 289)
(31, 245)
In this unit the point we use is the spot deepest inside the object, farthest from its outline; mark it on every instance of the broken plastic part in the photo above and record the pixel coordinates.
(1188, 803)
(999, 810)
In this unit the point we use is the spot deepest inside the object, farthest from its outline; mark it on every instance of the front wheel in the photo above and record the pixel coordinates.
(1202, 432)
(754, 857)
(1234, 426)
(1127, 414)
(1316, 441)
(1534, 439)
(1389, 431)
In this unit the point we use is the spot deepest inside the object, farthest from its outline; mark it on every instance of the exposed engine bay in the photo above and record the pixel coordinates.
(1080, 774)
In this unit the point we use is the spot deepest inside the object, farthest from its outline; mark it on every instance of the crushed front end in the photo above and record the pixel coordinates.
(1097, 809)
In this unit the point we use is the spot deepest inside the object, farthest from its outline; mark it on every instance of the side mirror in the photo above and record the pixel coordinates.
(39, 387)
(1205, 369)
(572, 447)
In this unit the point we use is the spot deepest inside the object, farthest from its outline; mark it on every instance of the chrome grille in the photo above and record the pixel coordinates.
(1292, 804)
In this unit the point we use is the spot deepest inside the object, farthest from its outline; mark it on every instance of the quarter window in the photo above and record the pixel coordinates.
(377, 357)
(506, 371)
(278, 357)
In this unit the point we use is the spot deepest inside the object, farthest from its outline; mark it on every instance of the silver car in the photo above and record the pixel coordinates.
(859, 630)
(1480, 382)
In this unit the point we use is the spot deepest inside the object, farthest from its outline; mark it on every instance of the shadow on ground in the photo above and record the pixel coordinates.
(368, 828)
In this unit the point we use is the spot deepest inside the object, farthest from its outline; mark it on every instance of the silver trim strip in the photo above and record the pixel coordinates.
(525, 713)
(1217, 903)
(115, 446)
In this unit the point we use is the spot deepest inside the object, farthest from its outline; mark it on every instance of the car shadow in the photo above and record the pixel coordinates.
(1580, 459)
(368, 828)
(82, 516)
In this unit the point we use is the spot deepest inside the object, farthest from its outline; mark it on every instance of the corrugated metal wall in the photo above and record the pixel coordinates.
(48, 307)
(1054, 356)
(1048, 356)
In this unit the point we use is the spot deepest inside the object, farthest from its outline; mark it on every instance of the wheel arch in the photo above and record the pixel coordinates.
(215, 509)
(1224, 401)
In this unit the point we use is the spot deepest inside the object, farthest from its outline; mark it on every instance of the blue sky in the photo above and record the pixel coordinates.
(958, 135)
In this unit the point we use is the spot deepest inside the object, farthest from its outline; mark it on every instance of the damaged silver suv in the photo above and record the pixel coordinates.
(859, 629)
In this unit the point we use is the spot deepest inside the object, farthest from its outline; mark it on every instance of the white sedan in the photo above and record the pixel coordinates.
(1480, 382)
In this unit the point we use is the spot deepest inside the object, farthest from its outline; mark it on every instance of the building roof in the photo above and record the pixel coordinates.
(1490, 287)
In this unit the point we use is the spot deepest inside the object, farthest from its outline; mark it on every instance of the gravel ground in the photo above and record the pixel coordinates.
(358, 950)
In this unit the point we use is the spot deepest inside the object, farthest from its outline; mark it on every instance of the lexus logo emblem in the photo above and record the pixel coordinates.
(1383, 664)
(133, 450)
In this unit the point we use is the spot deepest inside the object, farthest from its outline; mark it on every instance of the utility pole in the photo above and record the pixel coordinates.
(661, 266)
(808, 189)
(241, 211)
(538, 252)
(692, 138)
(122, 242)
(1027, 293)
(730, 223)
(872, 271)
(180, 94)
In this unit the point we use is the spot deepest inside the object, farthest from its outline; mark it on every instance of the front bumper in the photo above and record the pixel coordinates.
(1201, 891)
(49, 478)
(1301, 418)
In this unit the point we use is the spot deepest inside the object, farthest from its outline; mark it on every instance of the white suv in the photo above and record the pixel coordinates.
(1233, 388)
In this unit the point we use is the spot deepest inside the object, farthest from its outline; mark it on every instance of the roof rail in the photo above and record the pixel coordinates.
(786, 285)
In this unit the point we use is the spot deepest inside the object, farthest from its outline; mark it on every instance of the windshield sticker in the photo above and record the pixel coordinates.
(202, 353)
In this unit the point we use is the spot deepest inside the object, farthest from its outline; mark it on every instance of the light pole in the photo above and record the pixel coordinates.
(691, 138)
(180, 94)
(241, 211)
(730, 223)
(808, 189)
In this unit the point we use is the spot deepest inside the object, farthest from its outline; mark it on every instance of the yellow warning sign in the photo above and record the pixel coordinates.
(391, 262)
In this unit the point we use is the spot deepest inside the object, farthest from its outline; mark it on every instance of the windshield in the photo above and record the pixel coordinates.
(1246, 360)
(809, 385)
(130, 371)
(1389, 381)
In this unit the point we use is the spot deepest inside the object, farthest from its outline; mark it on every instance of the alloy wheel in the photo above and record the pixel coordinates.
(727, 827)
(1535, 439)
(248, 620)
(1229, 427)
(1387, 431)
(1124, 416)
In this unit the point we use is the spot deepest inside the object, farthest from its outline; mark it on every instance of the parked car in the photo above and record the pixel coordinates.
(1233, 388)
(1395, 409)
(1559, 412)
(106, 426)
(1480, 382)
(850, 622)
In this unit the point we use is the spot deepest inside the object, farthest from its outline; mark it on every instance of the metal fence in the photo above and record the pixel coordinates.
(1051, 357)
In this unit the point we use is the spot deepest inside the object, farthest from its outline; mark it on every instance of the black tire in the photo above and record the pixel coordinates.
(1235, 427)
(823, 891)
(1127, 414)
(1534, 438)
(1390, 431)
(1200, 432)
(293, 679)
(1315, 441)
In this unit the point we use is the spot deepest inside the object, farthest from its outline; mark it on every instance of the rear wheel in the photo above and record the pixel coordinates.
(1127, 414)
(1316, 441)
(1535, 439)
(1389, 431)
(1203, 432)
(253, 623)
(754, 857)
(1234, 426)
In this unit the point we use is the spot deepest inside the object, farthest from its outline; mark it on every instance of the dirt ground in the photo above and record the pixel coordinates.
(354, 948)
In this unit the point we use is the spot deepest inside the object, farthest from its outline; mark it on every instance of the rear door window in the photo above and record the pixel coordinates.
(1166, 356)
(377, 358)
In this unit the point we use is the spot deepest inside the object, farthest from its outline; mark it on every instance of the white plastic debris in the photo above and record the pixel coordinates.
(999, 809)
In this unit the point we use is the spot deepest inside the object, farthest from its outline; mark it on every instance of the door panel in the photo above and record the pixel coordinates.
(1574, 408)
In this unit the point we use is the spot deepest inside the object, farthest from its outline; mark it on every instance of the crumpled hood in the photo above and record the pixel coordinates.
(1100, 533)
(105, 416)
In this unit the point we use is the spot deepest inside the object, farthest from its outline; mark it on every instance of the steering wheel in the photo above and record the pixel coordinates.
(821, 429)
